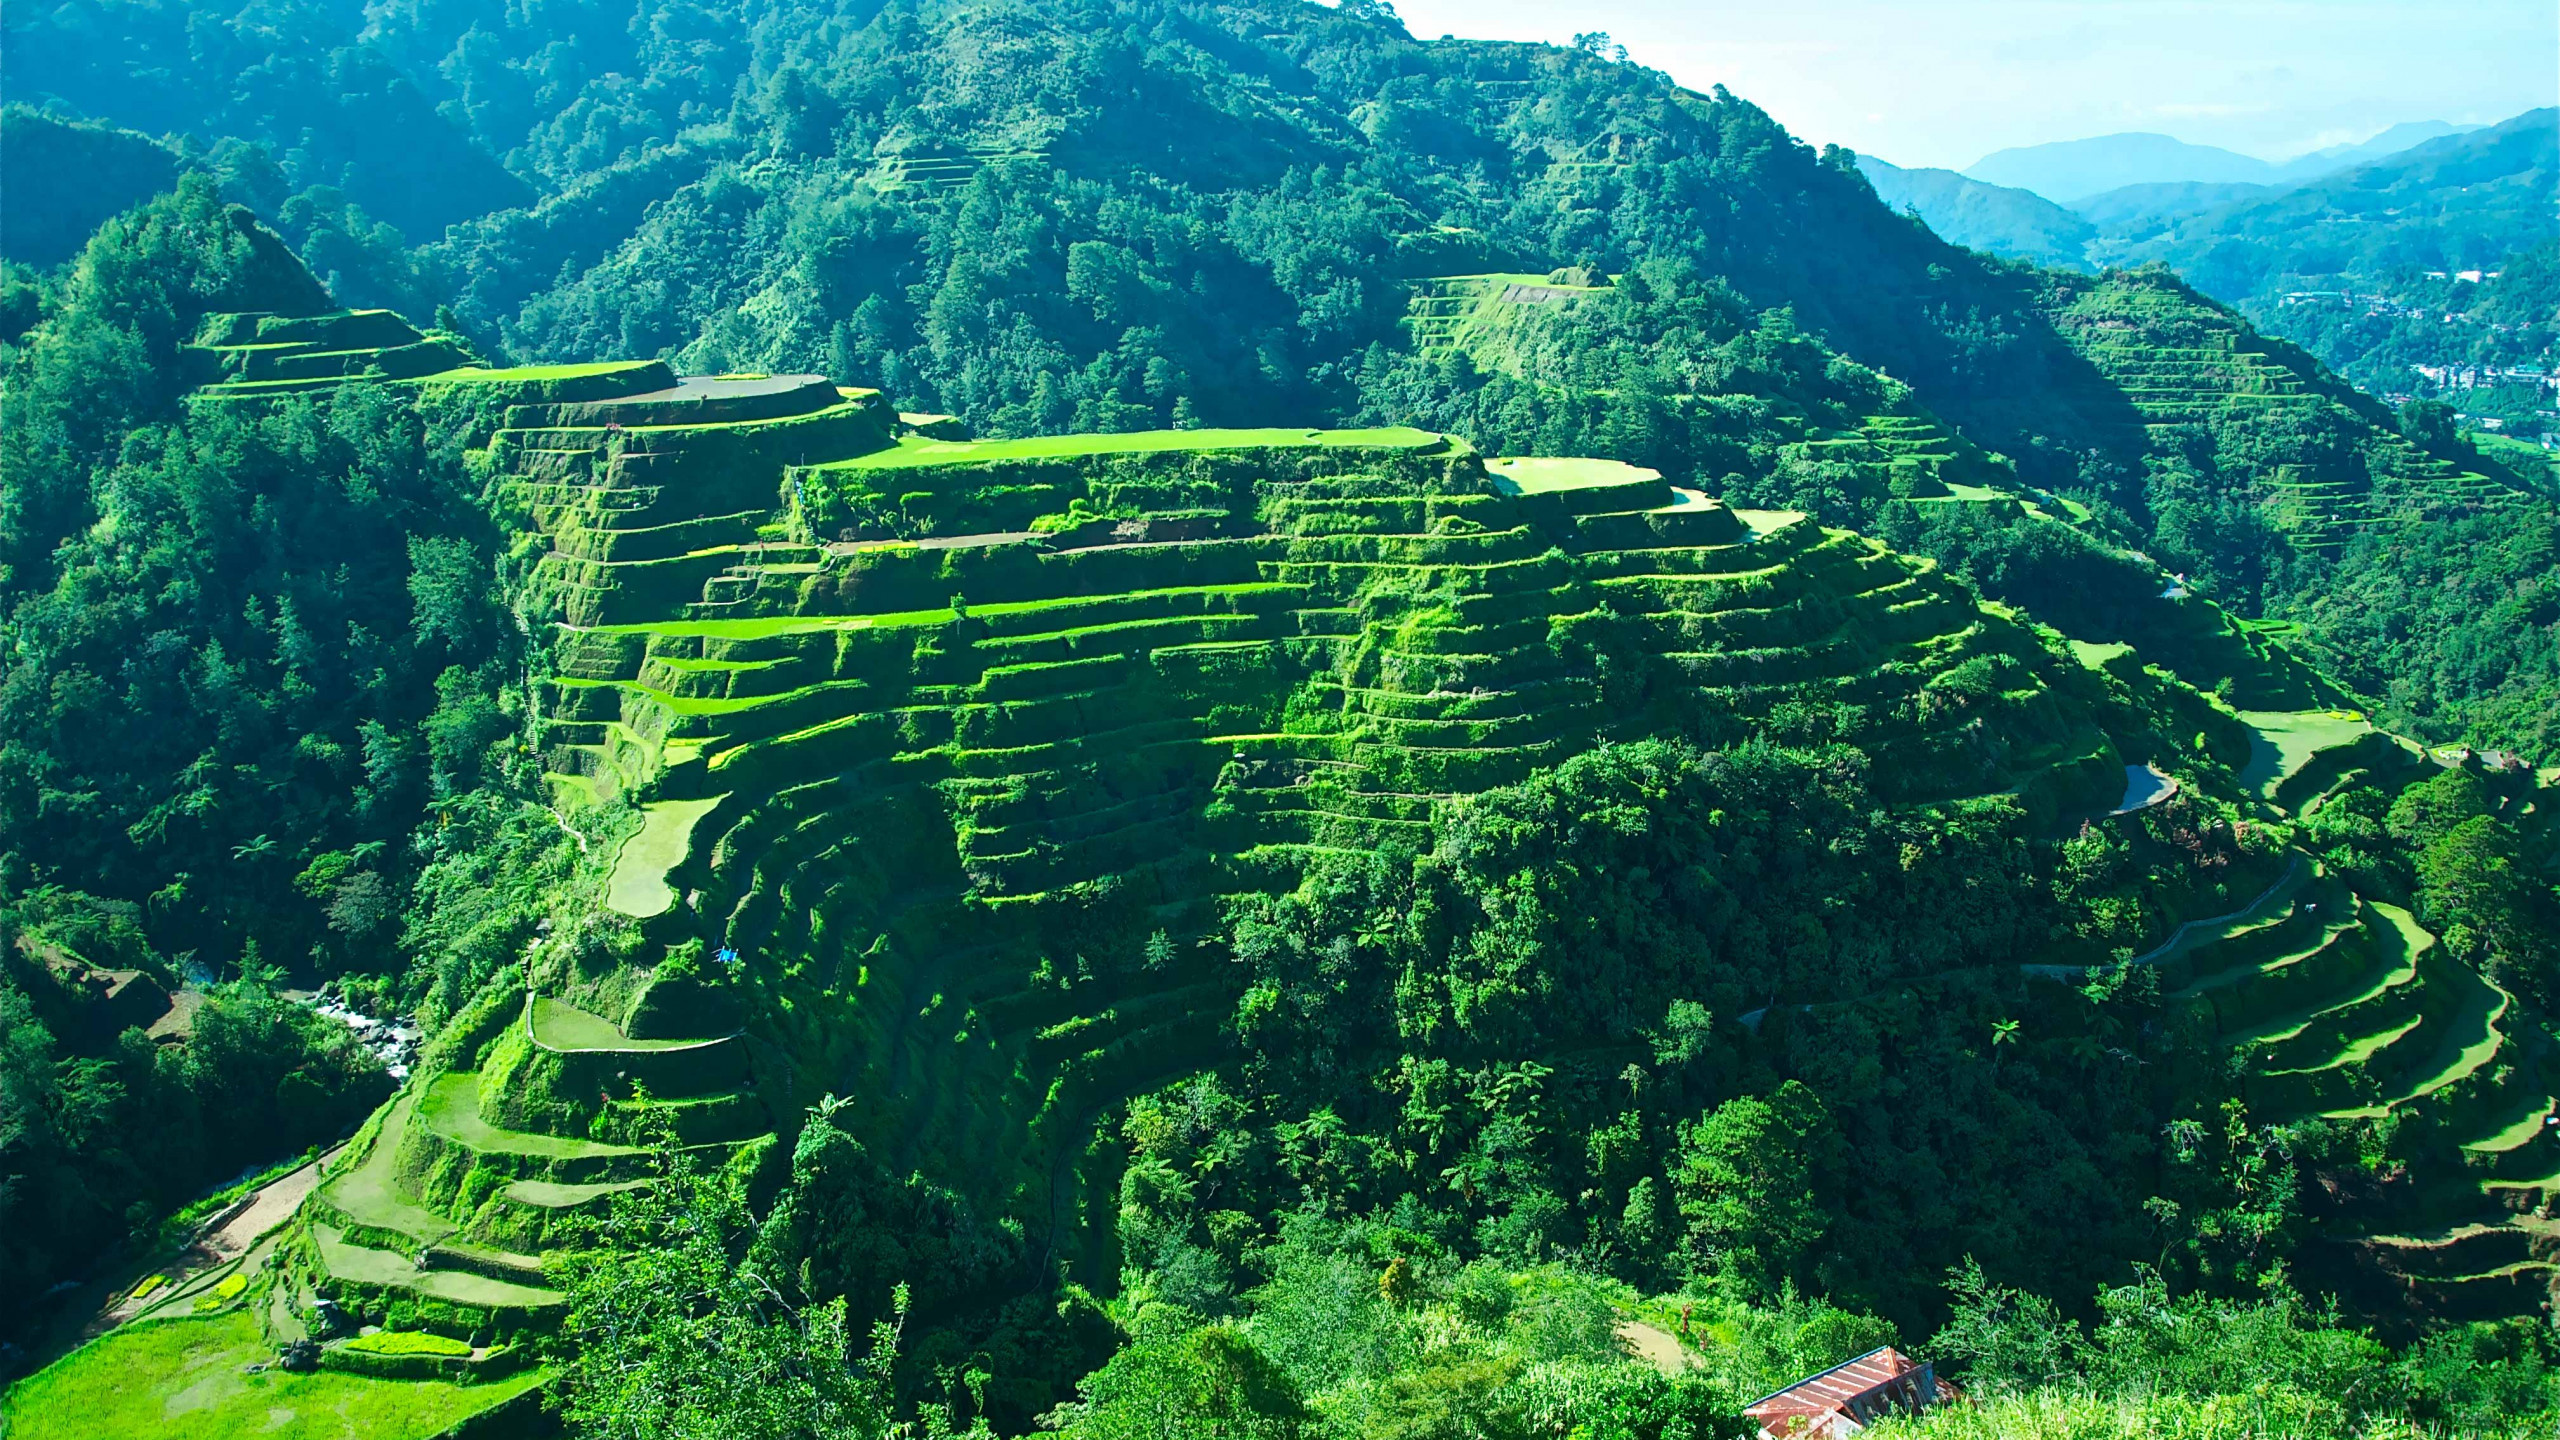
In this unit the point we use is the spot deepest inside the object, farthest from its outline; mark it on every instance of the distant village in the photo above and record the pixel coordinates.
(2456, 378)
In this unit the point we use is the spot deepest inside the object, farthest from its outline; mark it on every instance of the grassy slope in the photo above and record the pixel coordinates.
(639, 885)
(2285, 740)
(183, 1380)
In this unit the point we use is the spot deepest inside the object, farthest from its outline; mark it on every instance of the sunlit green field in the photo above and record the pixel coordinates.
(184, 1380)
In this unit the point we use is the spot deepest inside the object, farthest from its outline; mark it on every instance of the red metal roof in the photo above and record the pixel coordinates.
(1883, 1378)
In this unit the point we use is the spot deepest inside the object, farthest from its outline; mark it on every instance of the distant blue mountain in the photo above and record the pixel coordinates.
(2130, 221)
(2141, 209)
(2070, 172)
(2390, 142)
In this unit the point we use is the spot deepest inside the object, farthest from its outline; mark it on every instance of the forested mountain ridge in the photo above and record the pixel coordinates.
(2379, 270)
(2017, 224)
(2462, 202)
(1285, 883)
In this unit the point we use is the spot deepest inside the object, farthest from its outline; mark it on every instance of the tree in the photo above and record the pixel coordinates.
(670, 1339)
(2001, 1338)
(1744, 1181)
(1209, 1383)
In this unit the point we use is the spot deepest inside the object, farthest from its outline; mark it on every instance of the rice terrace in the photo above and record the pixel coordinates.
(1164, 719)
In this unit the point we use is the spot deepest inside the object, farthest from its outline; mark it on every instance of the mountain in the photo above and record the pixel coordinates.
(2365, 255)
(2014, 223)
(2408, 133)
(2076, 172)
(2137, 210)
(2459, 202)
(67, 177)
(323, 103)
(2065, 171)
(1227, 724)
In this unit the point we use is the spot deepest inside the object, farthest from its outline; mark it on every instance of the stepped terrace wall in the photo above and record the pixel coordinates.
(957, 726)
(2323, 463)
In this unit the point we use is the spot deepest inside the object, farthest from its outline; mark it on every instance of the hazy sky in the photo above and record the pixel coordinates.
(1946, 82)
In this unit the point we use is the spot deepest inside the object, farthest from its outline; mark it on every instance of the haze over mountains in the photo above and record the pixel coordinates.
(2072, 171)
(2147, 197)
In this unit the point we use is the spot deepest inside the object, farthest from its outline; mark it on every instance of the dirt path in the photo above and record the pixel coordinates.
(267, 1208)
(1656, 1346)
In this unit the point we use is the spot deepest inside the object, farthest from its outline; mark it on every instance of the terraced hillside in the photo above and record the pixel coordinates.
(263, 355)
(945, 752)
(2332, 466)
(927, 170)
(932, 735)
(2332, 1005)
(1480, 314)
(1913, 456)
(1501, 321)
(436, 1218)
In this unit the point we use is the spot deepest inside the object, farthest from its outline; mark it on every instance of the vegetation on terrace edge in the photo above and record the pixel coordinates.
(1301, 1033)
(1055, 273)
(1798, 753)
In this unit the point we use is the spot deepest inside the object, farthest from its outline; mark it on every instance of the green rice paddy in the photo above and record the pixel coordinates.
(557, 1026)
(519, 374)
(183, 1380)
(916, 450)
(451, 1107)
(2285, 741)
(639, 884)
(1542, 475)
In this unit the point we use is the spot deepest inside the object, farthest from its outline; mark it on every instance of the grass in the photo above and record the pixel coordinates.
(477, 375)
(370, 1193)
(707, 705)
(409, 1342)
(2287, 739)
(451, 1107)
(461, 1287)
(2195, 935)
(557, 1026)
(639, 885)
(2283, 1414)
(230, 1288)
(915, 450)
(2532, 1112)
(1508, 277)
(183, 1380)
(1973, 494)
(766, 627)
(1763, 523)
(553, 1195)
(1542, 475)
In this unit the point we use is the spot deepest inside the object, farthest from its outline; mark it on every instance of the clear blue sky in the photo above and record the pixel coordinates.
(1945, 82)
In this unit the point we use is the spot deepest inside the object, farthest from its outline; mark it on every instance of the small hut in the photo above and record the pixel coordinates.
(1846, 1398)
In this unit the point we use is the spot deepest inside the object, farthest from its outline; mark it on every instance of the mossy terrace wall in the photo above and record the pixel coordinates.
(2186, 364)
(2331, 1005)
(976, 720)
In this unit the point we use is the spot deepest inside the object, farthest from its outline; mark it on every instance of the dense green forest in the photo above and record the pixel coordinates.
(1171, 928)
